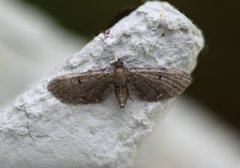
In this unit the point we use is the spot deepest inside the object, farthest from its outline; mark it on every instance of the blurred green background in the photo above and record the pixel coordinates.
(216, 78)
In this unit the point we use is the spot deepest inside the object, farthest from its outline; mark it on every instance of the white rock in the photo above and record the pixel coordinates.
(38, 131)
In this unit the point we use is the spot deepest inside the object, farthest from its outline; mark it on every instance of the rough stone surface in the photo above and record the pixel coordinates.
(38, 131)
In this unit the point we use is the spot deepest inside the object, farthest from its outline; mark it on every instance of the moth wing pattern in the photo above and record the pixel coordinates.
(158, 84)
(83, 88)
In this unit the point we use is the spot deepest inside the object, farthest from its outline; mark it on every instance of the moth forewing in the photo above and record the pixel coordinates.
(84, 88)
(158, 84)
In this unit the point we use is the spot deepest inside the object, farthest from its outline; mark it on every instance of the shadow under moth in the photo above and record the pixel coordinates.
(150, 84)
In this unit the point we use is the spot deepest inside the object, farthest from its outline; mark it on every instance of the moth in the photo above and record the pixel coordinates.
(149, 84)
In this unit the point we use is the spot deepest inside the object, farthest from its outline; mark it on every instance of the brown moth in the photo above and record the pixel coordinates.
(150, 84)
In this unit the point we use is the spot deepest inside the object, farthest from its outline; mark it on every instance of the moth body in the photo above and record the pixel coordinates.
(120, 84)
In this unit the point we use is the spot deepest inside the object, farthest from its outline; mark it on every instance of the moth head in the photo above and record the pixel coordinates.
(119, 63)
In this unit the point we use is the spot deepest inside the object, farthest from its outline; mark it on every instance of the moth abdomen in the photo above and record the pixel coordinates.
(121, 92)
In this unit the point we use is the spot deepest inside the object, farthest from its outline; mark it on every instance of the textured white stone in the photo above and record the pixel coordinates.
(38, 131)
